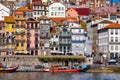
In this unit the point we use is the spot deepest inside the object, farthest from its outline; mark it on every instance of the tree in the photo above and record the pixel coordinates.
(83, 25)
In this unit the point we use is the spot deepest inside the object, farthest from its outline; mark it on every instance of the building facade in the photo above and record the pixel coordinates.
(54, 41)
(32, 36)
(56, 10)
(39, 9)
(109, 40)
(2, 38)
(20, 36)
(10, 35)
(65, 39)
(4, 11)
(78, 41)
(44, 23)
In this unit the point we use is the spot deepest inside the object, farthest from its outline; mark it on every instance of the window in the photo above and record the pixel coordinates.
(52, 48)
(112, 47)
(51, 36)
(59, 8)
(112, 17)
(111, 39)
(38, 12)
(56, 48)
(12, 26)
(116, 31)
(116, 39)
(116, 48)
(68, 14)
(22, 44)
(36, 45)
(17, 44)
(111, 31)
(60, 48)
(28, 45)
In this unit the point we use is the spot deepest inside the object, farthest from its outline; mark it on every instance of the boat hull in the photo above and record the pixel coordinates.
(71, 70)
(9, 70)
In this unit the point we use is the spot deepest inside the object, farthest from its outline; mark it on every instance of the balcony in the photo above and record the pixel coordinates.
(19, 33)
(65, 43)
(64, 36)
(78, 41)
(20, 40)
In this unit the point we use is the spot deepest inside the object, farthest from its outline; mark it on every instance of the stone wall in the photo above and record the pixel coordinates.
(19, 60)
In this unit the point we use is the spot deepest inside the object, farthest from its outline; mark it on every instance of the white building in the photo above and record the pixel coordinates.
(4, 11)
(78, 41)
(109, 39)
(54, 41)
(39, 9)
(56, 10)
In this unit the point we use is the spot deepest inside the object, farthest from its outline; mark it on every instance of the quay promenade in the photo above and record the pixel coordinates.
(28, 62)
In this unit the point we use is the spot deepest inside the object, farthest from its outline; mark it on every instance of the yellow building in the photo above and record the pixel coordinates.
(9, 34)
(20, 45)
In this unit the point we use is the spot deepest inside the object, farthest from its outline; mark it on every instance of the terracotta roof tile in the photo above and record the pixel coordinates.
(81, 11)
(9, 19)
(71, 19)
(112, 26)
(18, 12)
(58, 20)
(24, 9)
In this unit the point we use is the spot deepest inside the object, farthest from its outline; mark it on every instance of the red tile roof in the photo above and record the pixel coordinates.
(23, 9)
(18, 12)
(58, 20)
(83, 11)
(112, 26)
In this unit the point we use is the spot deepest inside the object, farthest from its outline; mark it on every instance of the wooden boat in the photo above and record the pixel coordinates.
(62, 70)
(9, 69)
(65, 69)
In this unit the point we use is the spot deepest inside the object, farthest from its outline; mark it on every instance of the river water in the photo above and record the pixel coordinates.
(58, 76)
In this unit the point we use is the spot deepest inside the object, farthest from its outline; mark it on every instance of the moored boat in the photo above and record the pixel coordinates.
(62, 70)
(9, 69)
(65, 69)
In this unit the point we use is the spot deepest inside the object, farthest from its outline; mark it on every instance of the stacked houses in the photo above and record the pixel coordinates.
(60, 27)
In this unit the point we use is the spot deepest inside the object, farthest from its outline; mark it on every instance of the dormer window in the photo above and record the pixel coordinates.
(68, 14)
(113, 17)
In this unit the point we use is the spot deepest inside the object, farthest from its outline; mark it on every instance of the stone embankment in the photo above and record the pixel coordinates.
(104, 69)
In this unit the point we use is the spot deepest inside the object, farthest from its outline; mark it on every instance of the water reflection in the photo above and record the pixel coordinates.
(58, 76)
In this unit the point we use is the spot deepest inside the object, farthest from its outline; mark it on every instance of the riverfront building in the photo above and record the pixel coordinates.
(44, 22)
(20, 36)
(109, 40)
(65, 39)
(54, 41)
(32, 36)
(39, 9)
(78, 41)
(56, 10)
(10, 35)
(2, 38)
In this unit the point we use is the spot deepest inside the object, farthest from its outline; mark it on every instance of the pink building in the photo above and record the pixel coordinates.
(32, 36)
